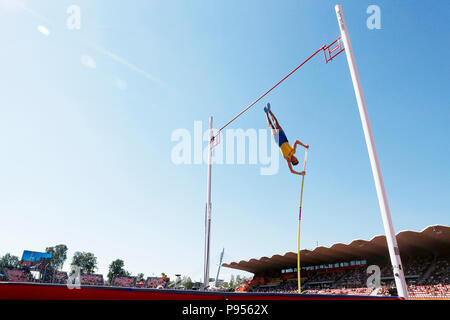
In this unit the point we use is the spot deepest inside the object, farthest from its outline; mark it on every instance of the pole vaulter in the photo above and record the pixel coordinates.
(288, 153)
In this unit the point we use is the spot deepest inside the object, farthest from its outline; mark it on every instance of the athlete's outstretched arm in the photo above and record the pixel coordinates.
(275, 120)
(299, 143)
(292, 170)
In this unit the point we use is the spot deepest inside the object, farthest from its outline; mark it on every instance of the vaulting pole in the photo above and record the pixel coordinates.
(376, 171)
(208, 209)
(299, 222)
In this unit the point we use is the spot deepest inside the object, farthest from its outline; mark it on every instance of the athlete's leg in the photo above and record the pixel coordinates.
(269, 122)
(277, 125)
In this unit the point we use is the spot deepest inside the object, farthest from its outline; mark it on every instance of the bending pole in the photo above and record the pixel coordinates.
(208, 209)
(376, 171)
(299, 280)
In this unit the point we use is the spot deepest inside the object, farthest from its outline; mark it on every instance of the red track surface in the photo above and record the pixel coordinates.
(33, 291)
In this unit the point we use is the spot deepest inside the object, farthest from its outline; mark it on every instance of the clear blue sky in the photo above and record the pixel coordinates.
(86, 118)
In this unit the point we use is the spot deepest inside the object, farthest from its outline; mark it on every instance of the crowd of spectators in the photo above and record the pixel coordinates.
(60, 277)
(435, 290)
(441, 273)
(342, 291)
(412, 267)
(352, 281)
(418, 266)
(423, 291)
(284, 287)
(354, 278)
(18, 275)
(125, 282)
(155, 283)
(91, 279)
(325, 279)
(415, 291)
(25, 275)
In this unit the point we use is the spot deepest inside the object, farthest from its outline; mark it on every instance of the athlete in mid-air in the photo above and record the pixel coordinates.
(286, 150)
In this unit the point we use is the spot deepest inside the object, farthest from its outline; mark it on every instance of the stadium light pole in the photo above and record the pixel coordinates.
(208, 209)
(394, 252)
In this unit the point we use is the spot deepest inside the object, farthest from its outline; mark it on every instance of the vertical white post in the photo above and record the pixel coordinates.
(376, 171)
(208, 209)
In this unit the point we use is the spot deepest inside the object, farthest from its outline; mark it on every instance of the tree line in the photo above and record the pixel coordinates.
(87, 262)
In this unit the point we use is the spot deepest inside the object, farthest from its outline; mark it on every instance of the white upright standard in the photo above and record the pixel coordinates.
(208, 210)
(376, 171)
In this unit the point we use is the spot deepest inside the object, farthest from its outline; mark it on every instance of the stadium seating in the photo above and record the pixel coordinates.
(155, 282)
(125, 282)
(441, 273)
(61, 277)
(435, 291)
(16, 275)
(92, 279)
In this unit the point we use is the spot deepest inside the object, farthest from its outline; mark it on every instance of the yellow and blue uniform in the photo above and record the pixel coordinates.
(283, 143)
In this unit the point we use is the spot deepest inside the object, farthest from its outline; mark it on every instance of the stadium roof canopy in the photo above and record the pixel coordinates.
(433, 240)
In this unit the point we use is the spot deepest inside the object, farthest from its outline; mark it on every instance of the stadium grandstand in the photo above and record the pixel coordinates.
(342, 268)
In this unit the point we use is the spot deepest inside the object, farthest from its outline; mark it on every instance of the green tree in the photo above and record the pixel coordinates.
(59, 255)
(231, 283)
(187, 283)
(235, 282)
(140, 277)
(86, 261)
(116, 270)
(9, 261)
